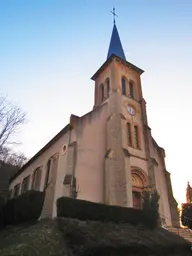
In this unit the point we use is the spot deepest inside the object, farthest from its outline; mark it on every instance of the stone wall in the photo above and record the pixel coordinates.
(172, 202)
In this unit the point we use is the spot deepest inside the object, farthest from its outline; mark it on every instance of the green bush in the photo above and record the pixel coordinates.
(151, 203)
(26, 207)
(8, 212)
(84, 210)
(1, 211)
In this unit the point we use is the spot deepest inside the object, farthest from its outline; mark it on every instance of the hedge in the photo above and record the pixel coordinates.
(26, 207)
(8, 212)
(85, 210)
(1, 211)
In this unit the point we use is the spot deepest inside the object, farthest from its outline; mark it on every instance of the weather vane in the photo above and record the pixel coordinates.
(114, 14)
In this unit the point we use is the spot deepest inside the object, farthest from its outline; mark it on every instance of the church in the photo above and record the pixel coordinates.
(107, 155)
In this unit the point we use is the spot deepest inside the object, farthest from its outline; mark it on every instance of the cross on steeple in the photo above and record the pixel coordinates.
(114, 14)
(115, 46)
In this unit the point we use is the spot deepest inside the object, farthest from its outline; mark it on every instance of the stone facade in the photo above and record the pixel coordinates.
(50, 188)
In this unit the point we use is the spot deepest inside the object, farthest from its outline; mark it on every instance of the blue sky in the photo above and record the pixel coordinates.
(50, 49)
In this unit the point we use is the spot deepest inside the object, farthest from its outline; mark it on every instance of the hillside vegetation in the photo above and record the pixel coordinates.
(6, 171)
(71, 237)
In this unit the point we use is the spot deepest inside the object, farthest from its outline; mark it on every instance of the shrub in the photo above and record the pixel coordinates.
(84, 210)
(151, 204)
(1, 211)
(8, 212)
(151, 200)
(26, 207)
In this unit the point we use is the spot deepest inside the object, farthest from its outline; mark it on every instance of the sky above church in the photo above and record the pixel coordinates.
(50, 49)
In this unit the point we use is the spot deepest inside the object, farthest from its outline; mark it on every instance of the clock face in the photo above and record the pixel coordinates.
(131, 110)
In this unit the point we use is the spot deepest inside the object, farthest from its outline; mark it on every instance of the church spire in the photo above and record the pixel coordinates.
(115, 46)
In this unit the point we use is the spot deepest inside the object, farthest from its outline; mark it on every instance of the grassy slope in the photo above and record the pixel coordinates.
(69, 237)
(42, 238)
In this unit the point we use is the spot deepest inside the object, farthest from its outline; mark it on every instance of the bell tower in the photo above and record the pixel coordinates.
(118, 84)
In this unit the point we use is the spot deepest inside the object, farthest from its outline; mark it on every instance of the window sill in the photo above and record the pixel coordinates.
(101, 102)
(130, 146)
(130, 98)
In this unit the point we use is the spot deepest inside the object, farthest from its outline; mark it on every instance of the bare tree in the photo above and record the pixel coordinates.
(4, 154)
(17, 160)
(10, 163)
(11, 117)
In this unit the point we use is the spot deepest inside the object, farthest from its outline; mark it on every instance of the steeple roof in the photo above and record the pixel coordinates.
(115, 46)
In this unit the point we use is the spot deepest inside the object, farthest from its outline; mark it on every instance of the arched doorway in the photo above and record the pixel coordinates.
(139, 182)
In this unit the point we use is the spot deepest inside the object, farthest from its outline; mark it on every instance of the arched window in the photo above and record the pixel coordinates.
(123, 85)
(136, 136)
(129, 138)
(131, 89)
(36, 180)
(16, 190)
(139, 178)
(108, 86)
(48, 172)
(25, 184)
(102, 92)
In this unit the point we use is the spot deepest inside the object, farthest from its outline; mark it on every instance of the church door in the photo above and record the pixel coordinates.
(138, 184)
(137, 200)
